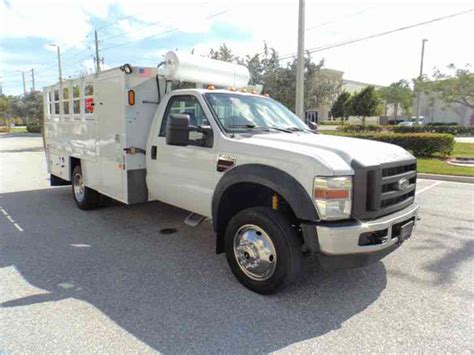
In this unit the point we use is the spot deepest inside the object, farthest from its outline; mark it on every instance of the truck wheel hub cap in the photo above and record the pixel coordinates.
(255, 252)
(79, 187)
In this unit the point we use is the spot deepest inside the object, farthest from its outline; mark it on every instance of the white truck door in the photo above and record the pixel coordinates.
(182, 176)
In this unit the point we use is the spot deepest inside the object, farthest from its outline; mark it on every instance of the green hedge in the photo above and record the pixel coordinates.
(33, 128)
(443, 124)
(456, 130)
(420, 144)
(360, 128)
(332, 123)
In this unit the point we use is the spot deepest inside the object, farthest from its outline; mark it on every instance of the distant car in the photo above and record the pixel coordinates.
(406, 123)
(409, 123)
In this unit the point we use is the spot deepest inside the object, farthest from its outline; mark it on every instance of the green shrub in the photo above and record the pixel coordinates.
(420, 144)
(33, 127)
(332, 123)
(443, 124)
(456, 130)
(360, 128)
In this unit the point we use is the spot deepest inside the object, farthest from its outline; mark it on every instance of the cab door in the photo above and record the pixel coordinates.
(183, 176)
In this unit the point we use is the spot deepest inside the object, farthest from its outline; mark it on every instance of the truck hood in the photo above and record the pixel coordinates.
(365, 152)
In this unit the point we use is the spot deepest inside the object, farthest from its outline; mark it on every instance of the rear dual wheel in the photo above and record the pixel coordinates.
(86, 198)
(262, 249)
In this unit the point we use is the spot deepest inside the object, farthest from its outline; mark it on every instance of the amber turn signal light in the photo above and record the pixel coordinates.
(131, 97)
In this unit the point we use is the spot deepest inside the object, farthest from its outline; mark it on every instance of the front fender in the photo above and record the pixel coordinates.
(275, 179)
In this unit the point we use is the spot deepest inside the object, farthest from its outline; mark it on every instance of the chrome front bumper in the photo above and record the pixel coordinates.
(343, 239)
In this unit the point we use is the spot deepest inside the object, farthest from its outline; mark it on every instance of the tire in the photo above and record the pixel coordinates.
(86, 198)
(263, 267)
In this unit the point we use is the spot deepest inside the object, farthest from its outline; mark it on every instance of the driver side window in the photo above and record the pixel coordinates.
(189, 105)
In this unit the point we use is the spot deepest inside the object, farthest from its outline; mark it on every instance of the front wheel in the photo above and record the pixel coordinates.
(86, 198)
(262, 249)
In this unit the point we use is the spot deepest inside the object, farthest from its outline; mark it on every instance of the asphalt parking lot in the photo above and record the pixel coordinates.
(107, 281)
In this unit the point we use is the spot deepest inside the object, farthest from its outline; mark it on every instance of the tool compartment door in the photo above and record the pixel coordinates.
(109, 107)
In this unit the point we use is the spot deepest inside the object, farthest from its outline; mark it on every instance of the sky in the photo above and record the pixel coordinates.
(140, 32)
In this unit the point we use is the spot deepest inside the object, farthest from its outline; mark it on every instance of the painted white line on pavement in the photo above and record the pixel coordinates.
(17, 226)
(429, 187)
(449, 182)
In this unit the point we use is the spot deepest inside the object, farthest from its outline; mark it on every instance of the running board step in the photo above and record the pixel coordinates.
(194, 219)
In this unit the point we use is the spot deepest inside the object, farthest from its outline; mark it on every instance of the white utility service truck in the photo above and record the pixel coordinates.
(275, 189)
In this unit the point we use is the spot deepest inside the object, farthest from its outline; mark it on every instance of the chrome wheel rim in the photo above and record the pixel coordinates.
(79, 188)
(255, 252)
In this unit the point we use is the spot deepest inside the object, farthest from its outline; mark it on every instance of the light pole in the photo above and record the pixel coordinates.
(59, 61)
(418, 108)
(299, 103)
(24, 83)
(33, 80)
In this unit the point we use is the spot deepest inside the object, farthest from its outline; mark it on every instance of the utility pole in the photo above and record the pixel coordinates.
(33, 79)
(418, 108)
(97, 59)
(300, 63)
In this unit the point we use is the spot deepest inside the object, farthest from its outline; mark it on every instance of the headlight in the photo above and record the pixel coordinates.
(333, 196)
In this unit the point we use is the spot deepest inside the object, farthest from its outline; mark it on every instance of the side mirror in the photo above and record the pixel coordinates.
(313, 126)
(177, 129)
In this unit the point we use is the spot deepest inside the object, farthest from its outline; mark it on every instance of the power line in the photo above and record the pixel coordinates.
(160, 33)
(337, 19)
(339, 44)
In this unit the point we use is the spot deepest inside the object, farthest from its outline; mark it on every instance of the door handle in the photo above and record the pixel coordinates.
(153, 152)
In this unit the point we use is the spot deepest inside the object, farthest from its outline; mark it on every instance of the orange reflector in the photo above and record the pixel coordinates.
(254, 91)
(231, 88)
(131, 97)
(243, 90)
(331, 194)
(211, 87)
(266, 95)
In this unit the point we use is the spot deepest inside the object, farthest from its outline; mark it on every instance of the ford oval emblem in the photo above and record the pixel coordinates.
(403, 184)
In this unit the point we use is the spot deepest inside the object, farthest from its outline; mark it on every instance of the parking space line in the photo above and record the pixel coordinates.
(429, 187)
(12, 221)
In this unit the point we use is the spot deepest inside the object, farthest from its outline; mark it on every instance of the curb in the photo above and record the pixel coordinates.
(453, 178)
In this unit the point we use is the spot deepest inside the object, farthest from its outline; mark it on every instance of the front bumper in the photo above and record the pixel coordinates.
(344, 239)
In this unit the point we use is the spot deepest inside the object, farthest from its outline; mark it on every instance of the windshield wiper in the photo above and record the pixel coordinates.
(266, 128)
(296, 129)
(286, 130)
(249, 126)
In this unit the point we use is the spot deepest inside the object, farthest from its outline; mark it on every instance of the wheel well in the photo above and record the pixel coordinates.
(243, 195)
(74, 162)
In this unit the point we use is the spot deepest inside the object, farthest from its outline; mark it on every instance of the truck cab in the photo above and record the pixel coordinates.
(276, 191)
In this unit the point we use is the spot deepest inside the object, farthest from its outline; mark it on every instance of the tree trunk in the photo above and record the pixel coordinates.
(395, 111)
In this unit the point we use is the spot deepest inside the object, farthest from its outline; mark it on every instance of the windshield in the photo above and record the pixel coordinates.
(237, 112)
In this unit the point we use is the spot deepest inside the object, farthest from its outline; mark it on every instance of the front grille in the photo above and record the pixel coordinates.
(381, 190)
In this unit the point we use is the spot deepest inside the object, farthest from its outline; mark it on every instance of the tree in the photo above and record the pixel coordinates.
(29, 107)
(224, 54)
(398, 94)
(341, 108)
(280, 80)
(322, 87)
(366, 103)
(456, 87)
